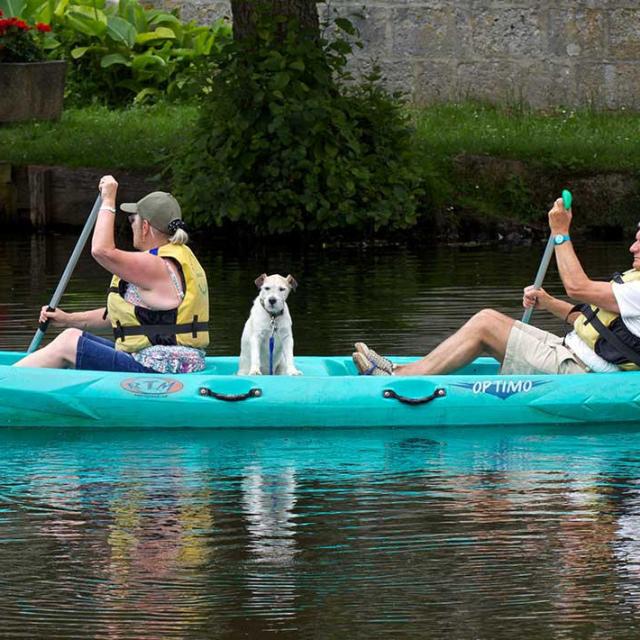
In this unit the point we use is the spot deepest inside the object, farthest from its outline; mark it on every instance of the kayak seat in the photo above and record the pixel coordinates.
(221, 366)
(310, 366)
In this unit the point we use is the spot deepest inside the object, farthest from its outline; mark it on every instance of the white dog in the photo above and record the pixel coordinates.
(267, 341)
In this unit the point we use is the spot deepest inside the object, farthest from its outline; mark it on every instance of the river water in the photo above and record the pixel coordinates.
(403, 533)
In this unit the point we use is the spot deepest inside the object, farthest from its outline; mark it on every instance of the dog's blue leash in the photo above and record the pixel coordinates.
(272, 343)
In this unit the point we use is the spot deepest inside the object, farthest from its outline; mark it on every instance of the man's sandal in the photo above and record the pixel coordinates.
(366, 367)
(375, 358)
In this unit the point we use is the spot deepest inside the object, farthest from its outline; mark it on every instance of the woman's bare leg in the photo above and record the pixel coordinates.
(59, 354)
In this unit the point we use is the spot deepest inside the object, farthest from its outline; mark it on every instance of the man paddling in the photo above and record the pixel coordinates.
(605, 338)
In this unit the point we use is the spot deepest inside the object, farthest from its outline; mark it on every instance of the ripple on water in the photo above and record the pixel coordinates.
(435, 533)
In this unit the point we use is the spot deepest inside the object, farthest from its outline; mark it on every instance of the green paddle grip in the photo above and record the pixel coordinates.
(566, 199)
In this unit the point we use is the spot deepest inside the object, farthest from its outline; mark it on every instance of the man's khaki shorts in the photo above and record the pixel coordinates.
(531, 350)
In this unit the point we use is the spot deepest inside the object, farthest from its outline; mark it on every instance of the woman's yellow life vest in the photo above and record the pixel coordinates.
(605, 332)
(135, 327)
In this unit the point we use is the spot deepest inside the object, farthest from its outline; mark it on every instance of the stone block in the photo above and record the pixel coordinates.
(622, 85)
(517, 32)
(398, 74)
(624, 34)
(422, 31)
(435, 81)
(201, 11)
(590, 85)
(576, 33)
(495, 81)
(462, 33)
(371, 22)
(548, 83)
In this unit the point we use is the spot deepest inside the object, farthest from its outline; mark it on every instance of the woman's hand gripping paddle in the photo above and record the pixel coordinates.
(546, 259)
(66, 276)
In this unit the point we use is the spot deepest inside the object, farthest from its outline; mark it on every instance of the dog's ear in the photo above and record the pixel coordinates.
(260, 279)
(292, 282)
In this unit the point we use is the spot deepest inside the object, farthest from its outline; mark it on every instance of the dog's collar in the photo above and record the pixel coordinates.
(273, 315)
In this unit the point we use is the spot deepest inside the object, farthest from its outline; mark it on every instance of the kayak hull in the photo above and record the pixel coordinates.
(329, 394)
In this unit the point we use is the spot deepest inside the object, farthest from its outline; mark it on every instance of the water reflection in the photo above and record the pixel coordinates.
(202, 534)
(626, 549)
(268, 500)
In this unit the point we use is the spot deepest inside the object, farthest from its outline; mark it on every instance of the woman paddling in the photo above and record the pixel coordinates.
(158, 302)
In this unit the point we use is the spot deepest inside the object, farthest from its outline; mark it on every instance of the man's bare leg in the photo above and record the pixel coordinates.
(487, 332)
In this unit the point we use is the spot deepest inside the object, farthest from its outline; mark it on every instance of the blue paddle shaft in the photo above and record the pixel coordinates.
(546, 259)
(542, 271)
(66, 275)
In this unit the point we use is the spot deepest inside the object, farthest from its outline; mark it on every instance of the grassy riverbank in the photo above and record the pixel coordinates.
(482, 163)
(593, 141)
(140, 138)
(137, 138)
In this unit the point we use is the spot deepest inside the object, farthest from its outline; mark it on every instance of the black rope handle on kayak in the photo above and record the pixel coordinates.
(390, 393)
(229, 397)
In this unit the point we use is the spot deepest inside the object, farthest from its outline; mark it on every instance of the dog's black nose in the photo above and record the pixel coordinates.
(272, 301)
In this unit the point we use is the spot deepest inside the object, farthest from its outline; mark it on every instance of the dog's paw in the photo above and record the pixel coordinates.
(293, 372)
(255, 371)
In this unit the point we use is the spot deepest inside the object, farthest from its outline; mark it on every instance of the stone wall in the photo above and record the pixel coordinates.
(538, 52)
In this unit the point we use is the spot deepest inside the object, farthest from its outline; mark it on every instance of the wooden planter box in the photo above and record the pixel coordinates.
(31, 90)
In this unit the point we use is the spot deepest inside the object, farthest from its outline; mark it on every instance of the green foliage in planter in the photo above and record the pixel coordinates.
(124, 52)
(287, 140)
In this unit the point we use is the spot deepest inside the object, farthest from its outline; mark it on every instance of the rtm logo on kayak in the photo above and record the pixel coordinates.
(501, 388)
(151, 386)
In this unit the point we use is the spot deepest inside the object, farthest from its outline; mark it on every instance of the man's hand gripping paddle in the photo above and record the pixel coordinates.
(546, 259)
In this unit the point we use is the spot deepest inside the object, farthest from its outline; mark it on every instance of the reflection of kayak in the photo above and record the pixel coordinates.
(330, 394)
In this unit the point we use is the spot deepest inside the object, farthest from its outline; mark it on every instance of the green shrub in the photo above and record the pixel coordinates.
(287, 141)
(123, 52)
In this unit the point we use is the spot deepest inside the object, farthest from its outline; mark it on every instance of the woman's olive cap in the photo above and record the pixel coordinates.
(159, 208)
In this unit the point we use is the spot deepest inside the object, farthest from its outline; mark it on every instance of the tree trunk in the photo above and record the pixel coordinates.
(244, 12)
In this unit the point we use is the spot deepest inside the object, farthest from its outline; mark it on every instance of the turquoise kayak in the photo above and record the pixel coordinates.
(329, 394)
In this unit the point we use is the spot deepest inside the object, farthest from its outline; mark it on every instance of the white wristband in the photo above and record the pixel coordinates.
(112, 209)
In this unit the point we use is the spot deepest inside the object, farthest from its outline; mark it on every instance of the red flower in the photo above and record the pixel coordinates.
(20, 41)
(14, 22)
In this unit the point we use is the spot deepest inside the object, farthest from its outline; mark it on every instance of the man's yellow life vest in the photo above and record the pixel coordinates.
(135, 327)
(605, 332)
